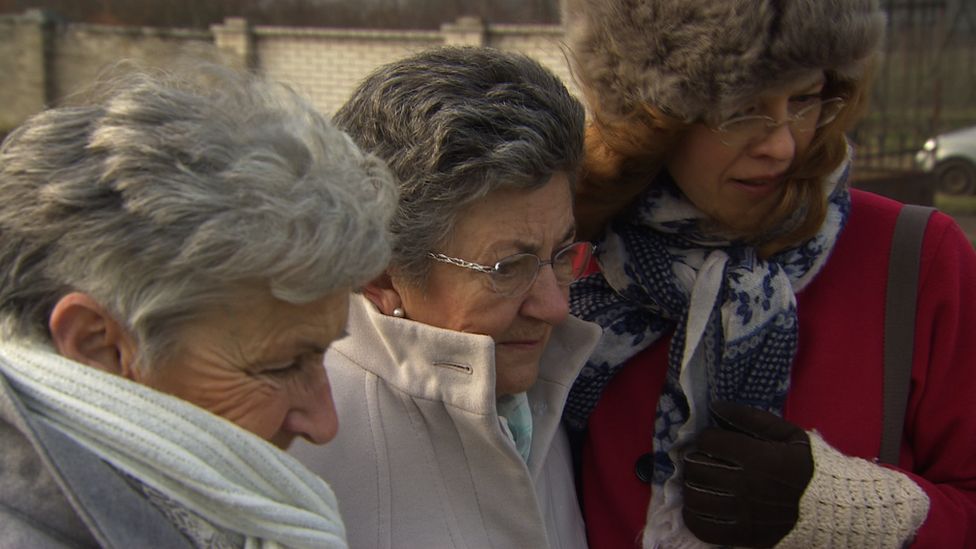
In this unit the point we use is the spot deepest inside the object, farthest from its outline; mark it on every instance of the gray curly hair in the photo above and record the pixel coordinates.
(175, 191)
(454, 124)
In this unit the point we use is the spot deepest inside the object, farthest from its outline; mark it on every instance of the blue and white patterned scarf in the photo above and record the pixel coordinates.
(733, 316)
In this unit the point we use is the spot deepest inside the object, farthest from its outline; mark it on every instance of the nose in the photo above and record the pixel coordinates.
(778, 144)
(312, 414)
(546, 300)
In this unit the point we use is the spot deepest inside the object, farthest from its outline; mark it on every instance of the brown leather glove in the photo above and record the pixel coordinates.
(744, 477)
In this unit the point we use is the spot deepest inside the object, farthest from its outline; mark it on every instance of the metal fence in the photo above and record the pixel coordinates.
(926, 83)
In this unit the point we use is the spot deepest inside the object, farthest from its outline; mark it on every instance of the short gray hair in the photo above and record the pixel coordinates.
(455, 124)
(175, 191)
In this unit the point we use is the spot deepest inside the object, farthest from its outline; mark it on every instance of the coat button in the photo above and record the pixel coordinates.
(644, 468)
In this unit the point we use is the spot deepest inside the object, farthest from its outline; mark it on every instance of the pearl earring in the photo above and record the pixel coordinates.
(398, 312)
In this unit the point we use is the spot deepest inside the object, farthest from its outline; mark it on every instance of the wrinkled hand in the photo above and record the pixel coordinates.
(744, 478)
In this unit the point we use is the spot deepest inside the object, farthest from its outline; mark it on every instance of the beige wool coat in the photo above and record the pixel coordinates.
(421, 459)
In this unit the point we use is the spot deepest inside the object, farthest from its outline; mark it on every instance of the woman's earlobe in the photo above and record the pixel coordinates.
(382, 293)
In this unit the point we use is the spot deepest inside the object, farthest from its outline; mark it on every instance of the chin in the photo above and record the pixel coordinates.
(516, 370)
(517, 379)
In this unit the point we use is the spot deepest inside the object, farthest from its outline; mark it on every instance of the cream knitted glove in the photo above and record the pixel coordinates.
(851, 502)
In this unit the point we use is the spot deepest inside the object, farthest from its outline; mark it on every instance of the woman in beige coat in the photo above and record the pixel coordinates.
(451, 383)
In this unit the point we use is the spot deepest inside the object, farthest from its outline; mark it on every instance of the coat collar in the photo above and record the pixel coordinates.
(453, 367)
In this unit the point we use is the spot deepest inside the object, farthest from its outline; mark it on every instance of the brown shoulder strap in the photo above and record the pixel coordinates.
(899, 329)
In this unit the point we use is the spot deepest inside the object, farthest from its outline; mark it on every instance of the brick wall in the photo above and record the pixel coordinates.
(80, 52)
(23, 45)
(541, 42)
(43, 60)
(326, 65)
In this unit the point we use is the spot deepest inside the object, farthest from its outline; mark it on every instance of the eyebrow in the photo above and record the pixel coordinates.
(808, 87)
(314, 347)
(527, 247)
(816, 83)
(301, 347)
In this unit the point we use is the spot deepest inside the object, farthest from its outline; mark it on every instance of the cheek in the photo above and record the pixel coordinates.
(463, 304)
(495, 320)
(253, 403)
(256, 404)
(802, 140)
(484, 313)
(698, 168)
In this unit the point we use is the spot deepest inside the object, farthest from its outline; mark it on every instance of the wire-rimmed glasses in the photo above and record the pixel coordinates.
(512, 276)
(743, 130)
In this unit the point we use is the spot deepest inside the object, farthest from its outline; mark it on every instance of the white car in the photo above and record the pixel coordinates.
(952, 156)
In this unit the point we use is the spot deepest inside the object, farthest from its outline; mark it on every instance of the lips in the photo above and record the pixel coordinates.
(758, 185)
(760, 181)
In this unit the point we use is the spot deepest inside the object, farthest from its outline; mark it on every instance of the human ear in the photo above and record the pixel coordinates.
(84, 331)
(383, 294)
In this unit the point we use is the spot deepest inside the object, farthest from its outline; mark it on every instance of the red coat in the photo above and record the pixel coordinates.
(836, 382)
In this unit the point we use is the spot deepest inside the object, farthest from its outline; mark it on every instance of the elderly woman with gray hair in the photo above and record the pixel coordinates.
(174, 260)
(452, 381)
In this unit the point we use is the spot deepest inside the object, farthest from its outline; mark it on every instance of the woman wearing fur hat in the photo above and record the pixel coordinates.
(736, 397)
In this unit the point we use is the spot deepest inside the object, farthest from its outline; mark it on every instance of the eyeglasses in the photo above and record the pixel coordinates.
(744, 130)
(512, 276)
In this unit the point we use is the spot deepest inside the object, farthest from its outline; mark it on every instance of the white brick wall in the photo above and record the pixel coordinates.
(543, 43)
(324, 64)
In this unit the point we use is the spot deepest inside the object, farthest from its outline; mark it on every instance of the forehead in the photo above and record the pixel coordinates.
(801, 83)
(798, 82)
(516, 217)
(258, 322)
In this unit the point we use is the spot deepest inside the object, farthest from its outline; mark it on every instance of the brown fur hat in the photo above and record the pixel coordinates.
(704, 60)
